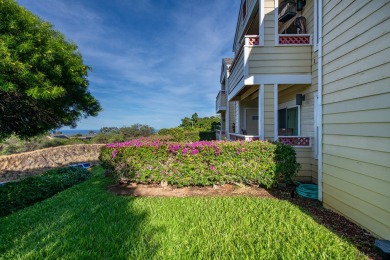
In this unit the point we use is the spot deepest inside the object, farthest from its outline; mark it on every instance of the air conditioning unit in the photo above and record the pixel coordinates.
(287, 10)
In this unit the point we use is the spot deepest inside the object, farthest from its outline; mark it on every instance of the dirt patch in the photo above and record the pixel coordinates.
(155, 190)
(340, 225)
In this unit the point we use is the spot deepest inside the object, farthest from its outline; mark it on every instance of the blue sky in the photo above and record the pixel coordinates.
(154, 61)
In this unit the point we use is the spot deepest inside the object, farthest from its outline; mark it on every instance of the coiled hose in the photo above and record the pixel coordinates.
(307, 190)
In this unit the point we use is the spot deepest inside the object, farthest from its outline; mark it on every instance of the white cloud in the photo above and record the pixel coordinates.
(151, 76)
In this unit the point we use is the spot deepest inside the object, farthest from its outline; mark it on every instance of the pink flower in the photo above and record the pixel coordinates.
(114, 153)
(212, 167)
(194, 151)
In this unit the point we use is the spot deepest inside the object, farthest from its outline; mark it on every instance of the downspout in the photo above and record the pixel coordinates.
(227, 114)
(320, 186)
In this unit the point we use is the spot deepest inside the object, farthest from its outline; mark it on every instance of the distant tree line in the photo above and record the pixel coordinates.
(194, 128)
(200, 123)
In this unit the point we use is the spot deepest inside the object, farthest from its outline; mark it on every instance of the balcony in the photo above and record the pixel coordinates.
(220, 135)
(238, 64)
(221, 101)
(255, 64)
(291, 55)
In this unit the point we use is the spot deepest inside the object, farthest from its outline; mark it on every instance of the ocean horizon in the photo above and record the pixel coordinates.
(71, 132)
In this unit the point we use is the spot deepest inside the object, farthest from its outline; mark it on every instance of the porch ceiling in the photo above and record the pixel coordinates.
(292, 88)
(245, 93)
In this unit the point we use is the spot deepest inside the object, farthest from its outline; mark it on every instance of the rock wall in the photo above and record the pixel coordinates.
(15, 166)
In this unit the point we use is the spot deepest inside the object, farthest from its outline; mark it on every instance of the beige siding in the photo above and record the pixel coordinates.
(232, 115)
(269, 23)
(356, 112)
(269, 112)
(308, 13)
(242, 23)
(304, 157)
(280, 60)
(237, 74)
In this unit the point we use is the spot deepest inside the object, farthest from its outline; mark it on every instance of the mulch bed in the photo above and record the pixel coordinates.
(340, 225)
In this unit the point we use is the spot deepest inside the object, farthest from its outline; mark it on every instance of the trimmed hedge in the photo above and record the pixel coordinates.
(207, 135)
(199, 163)
(18, 195)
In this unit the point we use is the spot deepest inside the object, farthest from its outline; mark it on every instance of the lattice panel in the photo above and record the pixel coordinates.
(253, 41)
(294, 39)
(295, 141)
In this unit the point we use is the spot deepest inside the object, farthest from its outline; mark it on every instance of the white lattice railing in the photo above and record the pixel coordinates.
(295, 39)
(296, 141)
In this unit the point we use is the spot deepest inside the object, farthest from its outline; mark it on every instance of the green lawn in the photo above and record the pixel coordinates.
(86, 222)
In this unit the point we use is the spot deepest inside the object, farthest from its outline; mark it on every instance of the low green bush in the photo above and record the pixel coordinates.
(191, 136)
(18, 195)
(207, 135)
(199, 163)
(287, 165)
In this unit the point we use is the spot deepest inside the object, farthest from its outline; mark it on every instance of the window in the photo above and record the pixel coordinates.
(288, 121)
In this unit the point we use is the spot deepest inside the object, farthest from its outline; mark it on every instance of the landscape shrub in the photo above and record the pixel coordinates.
(176, 134)
(191, 136)
(287, 165)
(198, 163)
(207, 135)
(18, 195)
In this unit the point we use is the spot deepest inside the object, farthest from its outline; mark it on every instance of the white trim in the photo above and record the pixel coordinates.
(276, 114)
(276, 37)
(238, 117)
(246, 57)
(237, 89)
(261, 112)
(316, 120)
(315, 36)
(261, 21)
(278, 79)
(320, 187)
(299, 120)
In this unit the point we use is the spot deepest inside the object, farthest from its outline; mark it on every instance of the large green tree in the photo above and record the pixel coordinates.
(43, 80)
(200, 123)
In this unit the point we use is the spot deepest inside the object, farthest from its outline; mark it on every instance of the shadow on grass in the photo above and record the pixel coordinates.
(77, 223)
(336, 223)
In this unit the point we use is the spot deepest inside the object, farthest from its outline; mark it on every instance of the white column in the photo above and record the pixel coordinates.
(227, 118)
(261, 112)
(261, 23)
(238, 117)
(276, 114)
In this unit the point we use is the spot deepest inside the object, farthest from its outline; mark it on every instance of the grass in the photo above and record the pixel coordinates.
(87, 222)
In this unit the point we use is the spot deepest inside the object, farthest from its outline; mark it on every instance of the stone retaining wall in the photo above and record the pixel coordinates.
(15, 166)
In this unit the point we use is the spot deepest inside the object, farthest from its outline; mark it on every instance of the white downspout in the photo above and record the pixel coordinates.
(320, 186)
(227, 114)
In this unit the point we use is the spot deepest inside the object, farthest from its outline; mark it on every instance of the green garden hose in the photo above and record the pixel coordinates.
(307, 190)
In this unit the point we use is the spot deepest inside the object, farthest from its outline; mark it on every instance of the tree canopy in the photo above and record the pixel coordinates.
(43, 80)
(200, 123)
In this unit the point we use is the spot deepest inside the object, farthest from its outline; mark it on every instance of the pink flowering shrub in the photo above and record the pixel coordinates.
(198, 163)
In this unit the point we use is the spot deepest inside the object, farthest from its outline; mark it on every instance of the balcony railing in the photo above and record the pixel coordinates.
(252, 40)
(221, 101)
(297, 141)
(239, 137)
(294, 39)
(236, 69)
(220, 134)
